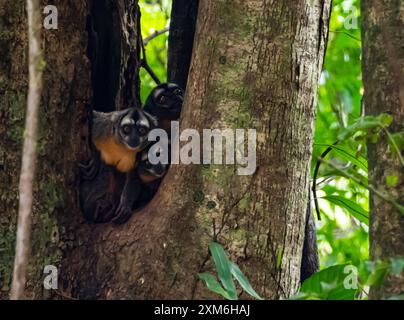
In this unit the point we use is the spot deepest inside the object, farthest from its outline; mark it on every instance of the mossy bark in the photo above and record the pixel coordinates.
(62, 144)
(256, 64)
(66, 89)
(383, 66)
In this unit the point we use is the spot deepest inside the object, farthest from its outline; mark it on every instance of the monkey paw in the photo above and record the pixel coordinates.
(104, 211)
(122, 214)
(90, 170)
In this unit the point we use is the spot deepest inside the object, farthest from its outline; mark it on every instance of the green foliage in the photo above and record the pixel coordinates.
(348, 282)
(155, 17)
(345, 153)
(374, 273)
(328, 284)
(226, 272)
(342, 231)
(214, 286)
(356, 210)
(343, 196)
(366, 127)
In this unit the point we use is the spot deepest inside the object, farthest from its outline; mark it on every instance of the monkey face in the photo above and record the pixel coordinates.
(133, 129)
(149, 172)
(165, 101)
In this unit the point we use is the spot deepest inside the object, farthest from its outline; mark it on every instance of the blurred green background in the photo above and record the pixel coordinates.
(342, 238)
(155, 17)
(343, 229)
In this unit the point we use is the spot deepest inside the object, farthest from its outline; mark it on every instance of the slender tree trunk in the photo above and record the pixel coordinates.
(29, 155)
(383, 67)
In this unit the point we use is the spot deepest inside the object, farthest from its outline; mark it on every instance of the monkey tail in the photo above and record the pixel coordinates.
(310, 261)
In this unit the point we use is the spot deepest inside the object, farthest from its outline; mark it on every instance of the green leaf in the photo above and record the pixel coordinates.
(222, 263)
(385, 119)
(241, 278)
(392, 181)
(378, 272)
(328, 284)
(397, 142)
(399, 207)
(279, 258)
(353, 208)
(368, 124)
(397, 266)
(347, 154)
(213, 285)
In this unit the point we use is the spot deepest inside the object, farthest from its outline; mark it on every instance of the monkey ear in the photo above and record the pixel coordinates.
(153, 120)
(97, 114)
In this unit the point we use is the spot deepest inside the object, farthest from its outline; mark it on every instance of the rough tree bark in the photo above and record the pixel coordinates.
(256, 64)
(67, 91)
(383, 67)
(66, 88)
(181, 40)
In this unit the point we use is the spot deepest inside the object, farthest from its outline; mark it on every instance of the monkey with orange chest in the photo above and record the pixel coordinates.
(121, 142)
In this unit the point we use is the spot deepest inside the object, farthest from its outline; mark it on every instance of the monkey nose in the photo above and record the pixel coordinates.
(159, 169)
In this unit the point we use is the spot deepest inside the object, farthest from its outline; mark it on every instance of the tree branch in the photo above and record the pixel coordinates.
(29, 150)
(381, 194)
(154, 35)
(143, 61)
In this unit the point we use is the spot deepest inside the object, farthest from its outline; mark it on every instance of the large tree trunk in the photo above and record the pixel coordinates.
(383, 67)
(255, 64)
(181, 40)
(67, 91)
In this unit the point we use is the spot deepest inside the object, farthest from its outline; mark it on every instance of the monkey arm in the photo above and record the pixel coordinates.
(100, 197)
(90, 170)
(129, 196)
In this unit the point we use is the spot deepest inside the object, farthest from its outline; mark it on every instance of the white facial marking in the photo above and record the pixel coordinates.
(143, 122)
(127, 121)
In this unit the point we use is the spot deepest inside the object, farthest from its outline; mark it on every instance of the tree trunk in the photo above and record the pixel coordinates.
(67, 92)
(182, 31)
(383, 66)
(255, 65)
(183, 18)
(66, 88)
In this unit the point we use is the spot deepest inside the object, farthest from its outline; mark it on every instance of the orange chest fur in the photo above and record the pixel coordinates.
(117, 155)
(147, 178)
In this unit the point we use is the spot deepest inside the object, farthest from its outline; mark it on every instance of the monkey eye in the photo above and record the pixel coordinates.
(142, 130)
(178, 92)
(162, 99)
(126, 129)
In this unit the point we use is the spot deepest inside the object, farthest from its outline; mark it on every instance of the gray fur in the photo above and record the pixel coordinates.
(102, 126)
